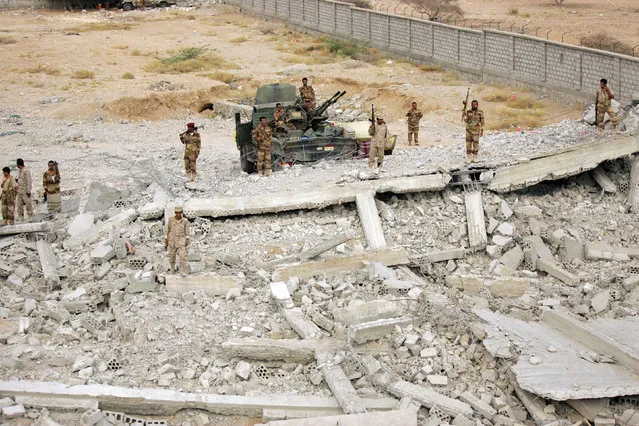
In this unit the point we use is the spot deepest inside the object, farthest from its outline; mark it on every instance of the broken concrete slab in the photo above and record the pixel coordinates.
(367, 312)
(552, 268)
(373, 330)
(369, 217)
(445, 255)
(335, 265)
(602, 179)
(49, 263)
(569, 162)
(23, 228)
(382, 418)
(101, 197)
(59, 402)
(429, 398)
(299, 322)
(338, 383)
(322, 197)
(508, 287)
(602, 251)
(476, 221)
(102, 254)
(535, 405)
(590, 408)
(213, 285)
(287, 350)
(633, 190)
(93, 234)
(478, 405)
(81, 223)
(509, 262)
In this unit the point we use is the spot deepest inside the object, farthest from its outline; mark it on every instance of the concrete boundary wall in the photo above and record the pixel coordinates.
(572, 72)
(24, 4)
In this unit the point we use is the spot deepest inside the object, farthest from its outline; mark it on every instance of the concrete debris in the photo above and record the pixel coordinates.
(339, 384)
(430, 398)
(363, 312)
(375, 330)
(475, 219)
(369, 216)
(383, 418)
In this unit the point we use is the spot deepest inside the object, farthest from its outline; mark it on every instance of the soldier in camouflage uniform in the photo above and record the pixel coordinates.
(307, 93)
(51, 184)
(262, 136)
(23, 199)
(414, 115)
(9, 191)
(474, 119)
(177, 240)
(604, 105)
(379, 133)
(279, 116)
(192, 143)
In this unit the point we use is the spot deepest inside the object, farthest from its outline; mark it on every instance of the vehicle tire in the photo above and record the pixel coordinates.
(247, 165)
(163, 4)
(128, 6)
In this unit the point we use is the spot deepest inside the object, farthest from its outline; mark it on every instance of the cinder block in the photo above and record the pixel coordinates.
(91, 417)
(102, 254)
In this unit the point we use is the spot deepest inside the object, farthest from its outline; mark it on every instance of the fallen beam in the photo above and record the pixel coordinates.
(324, 247)
(367, 312)
(602, 179)
(378, 404)
(338, 383)
(445, 255)
(601, 251)
(361, 333)
(49, 263)
(475, 220)
(336, 265)
(569, 163)
(382, 418)
(23, 228)
(211, 284)
(299, 322)
(311, 199)
(369, 217)
(552, 268)
(429, 398)
(164, 402)
(93, 234)
(287, 350)
(534, 404)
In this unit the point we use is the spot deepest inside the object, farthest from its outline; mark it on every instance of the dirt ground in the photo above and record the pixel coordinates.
(573, 19)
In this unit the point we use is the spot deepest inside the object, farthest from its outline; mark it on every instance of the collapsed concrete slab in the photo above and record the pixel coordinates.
(568, 162)
(369, 217)
(367, 312)
(338, 383)
(322, 197)
(163, 402)
(213, 285)
(23, 228)
(335, 265)
(445, 255)
(429, 398)
(287, 350)
(476, 221)
(49, 263)
(383, 418)
(93, 234)
(361, 333)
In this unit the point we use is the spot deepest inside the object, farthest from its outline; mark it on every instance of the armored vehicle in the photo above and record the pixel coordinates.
(307, 136)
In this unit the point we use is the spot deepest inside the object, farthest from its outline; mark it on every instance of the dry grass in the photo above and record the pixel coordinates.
(606, 42)
(83, 75)
(239, 40)
(496, 95)
(42, 69)
(128, 76)
(429, 68)
(451, 78)
(506, 118)
(120, 47)
(100, 26)
(523, 102)
(267, 28)
(7, 40)
(190, 59)
(223, 76)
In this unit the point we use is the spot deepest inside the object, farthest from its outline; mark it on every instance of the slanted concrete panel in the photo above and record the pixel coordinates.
(369, 217)
(476, 221)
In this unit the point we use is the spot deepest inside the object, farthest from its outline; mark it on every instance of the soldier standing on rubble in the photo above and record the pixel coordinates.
(604, 105)
(379, 133)
(177, 240)
(263, 137)
(192, 143)
(307, 93)
(23, 199)
(414, 115)
(9, 190)
(51, 184)
(474, 120)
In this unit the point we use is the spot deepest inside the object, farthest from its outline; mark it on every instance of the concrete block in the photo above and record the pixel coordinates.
(15, 281)
(601, 301)
(571, 249)
(508, 287)
(279, 291)
(56, 311)
(506, 228)
(91, 417)
(22, 271)
(633, 191)
(605, 421)
(553, 269)
(6, 402)
(102, 254)
(437, 380)
(463, 421)
(366, 312)
(141, 281)
(478, 405)
(378, 271)
(445, 255)
(374, 330)
(599, 251)
(303, 326)
(509, 262)
(379, 418)
(339, 384)
(321, 321)
(369, 217)
(243, 370)
(287, 350)
(14, 411)
(430, 398)
(151, 211)
(371, 365)
(504, 210)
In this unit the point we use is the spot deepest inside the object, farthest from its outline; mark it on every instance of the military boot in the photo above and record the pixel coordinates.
(172, 268)
(268, 173)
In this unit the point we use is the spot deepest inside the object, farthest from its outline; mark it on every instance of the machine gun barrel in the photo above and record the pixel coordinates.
(322, 108)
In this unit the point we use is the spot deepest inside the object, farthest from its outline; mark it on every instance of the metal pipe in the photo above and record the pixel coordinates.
(523, 29)
(549, 31)
(562, 36)
(633, 49)
(536, 29)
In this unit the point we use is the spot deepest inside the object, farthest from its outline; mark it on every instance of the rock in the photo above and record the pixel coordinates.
(86, 373)
(14, 411)
(504, 210)
(30, 305)
(601, 301)
(437, 380)
(243, 370)
(506, 228)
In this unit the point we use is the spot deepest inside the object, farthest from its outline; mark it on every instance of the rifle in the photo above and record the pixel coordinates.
(465, 104)
(373, 117)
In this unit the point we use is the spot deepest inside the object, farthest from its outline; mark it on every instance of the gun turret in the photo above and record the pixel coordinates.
(322, 108)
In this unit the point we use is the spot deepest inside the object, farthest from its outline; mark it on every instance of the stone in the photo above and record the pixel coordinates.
(15, 280)
(437, 380)
(502, 241)
(478, 405)
(243, 370)
(509, 262)
(102, 254)
(101, 197)
(492, 225)
(247, 331)
(86, 373)
(525, 212)
(371, 365)
(601, 301)
(428, 353)
(30, 305)
(504, 210)
(13, 411)
(366, 312)
(81, 223)
(506, 228)
(6, 402)
(91, 417)
(378, 271)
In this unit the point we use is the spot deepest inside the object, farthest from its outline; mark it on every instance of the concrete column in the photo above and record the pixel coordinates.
(633, 192)
(49, 263)
(369, 216)
(477, 236)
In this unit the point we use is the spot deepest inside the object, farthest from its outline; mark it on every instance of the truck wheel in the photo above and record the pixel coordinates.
(127, 6)
(247, 165)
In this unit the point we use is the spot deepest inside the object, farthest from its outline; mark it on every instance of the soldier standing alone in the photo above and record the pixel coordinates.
(192, 143)
(414, 115)
(263, 137)
(9, 189)
(23, 199)
(307, 93)
(379, 133)
(474, 120)
(177, 240)
(604, 105)
(51, 184)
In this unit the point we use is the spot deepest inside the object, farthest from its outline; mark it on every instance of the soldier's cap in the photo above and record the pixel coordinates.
(190, 125)
(379, 118)
(178, 209)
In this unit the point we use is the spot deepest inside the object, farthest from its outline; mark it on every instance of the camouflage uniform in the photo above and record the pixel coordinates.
(279, 117)
(474, 119)
(177, 234)
(23, 199)
(192, 144)
(604, 105)
(379, 134)
(414, 115)
(9, 190)
(51, 186)
(308, 93)
(262, 136)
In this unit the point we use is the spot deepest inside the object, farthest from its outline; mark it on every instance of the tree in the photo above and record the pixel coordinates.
(436, 10)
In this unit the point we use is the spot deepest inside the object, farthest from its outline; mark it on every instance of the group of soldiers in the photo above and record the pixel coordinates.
(16, 193)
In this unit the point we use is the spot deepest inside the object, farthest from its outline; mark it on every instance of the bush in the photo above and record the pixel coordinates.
(513, 11)
(510, 118)
(42, 69)
(497, 96)
(7, 40)
(430, 68)
(82, 74)
(128, 76)
(190, 59)
(522, 102)
(224, 77)
(239, 40)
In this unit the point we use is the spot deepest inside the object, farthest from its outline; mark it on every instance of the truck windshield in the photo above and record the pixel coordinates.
(275, 93)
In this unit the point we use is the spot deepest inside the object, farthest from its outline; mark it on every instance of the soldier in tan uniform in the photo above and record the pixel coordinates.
(379, 133)
(23, 199)
(51, 184)
(414, 115)
(279, 116)
(604, 105)
(307, 93)
(177, 240)
(263, 137)
(474, 119)
(192, 143)
(9, 190)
